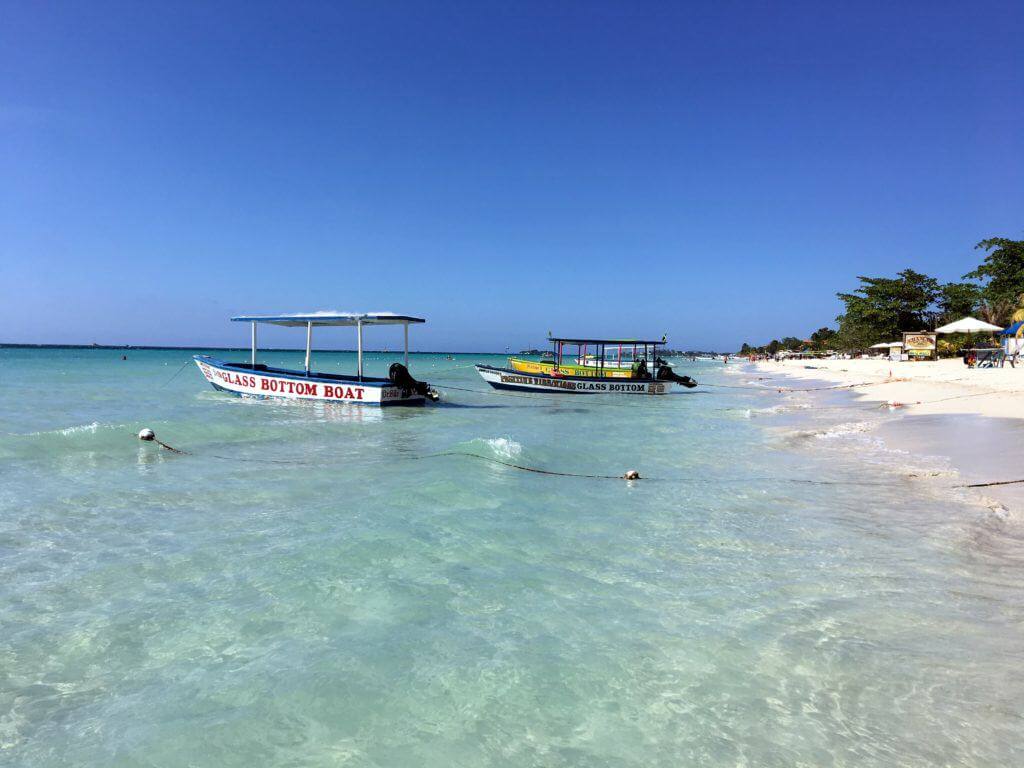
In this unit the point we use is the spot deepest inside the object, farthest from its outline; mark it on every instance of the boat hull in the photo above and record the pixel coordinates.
(244, 380)
(508, 378)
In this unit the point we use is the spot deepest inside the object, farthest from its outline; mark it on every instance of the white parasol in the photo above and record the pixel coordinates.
(967, 325)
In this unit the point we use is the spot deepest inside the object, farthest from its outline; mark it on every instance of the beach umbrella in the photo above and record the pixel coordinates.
(880, 345)
(967, 325)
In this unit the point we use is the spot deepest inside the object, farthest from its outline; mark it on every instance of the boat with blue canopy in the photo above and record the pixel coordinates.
(253, 379)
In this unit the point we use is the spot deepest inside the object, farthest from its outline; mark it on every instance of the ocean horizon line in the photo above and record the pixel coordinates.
(158, 347)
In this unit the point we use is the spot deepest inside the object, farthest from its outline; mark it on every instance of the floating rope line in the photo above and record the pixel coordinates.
(147, 435)
(896, 404)
(988, 485)
(634, 475)
(499, 393)
(629, 475)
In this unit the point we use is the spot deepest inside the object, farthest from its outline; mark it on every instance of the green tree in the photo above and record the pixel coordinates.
(958, 300)
(1002, 270)
(883, 307)
(822, 338)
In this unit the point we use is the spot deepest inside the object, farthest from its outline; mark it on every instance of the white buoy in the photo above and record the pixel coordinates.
(147, 434)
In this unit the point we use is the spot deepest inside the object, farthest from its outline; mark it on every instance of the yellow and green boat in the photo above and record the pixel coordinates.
(594, 358)
(633, 364)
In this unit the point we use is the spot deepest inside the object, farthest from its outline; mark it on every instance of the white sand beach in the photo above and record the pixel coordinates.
(928, 387)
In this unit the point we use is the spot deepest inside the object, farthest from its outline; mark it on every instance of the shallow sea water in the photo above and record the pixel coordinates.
(308, 586)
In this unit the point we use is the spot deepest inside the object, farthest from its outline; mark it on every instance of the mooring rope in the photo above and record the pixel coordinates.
(431, 373)
(987, 485)
(148, 435)
(525, 468)
(684, 480)
(895, 404)
(176, 373)
(499, 393)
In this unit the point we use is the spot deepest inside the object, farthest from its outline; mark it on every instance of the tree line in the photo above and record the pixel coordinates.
(882, 308)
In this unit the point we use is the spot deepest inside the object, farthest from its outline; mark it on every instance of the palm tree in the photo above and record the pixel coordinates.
(1001, 311)
(1018, 313)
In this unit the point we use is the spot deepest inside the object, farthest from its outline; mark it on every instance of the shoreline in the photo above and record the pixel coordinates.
(940, 387)
(972, 419)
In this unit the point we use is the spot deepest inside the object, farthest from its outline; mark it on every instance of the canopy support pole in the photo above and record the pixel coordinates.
(406, 327)
(254, 345)
(309, 344)
(359, 349)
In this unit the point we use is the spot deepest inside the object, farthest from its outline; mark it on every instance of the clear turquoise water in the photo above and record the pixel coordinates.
(302, 590)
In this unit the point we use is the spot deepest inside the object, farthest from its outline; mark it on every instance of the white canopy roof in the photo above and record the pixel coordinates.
(967, 325)
(887, 345)
(330, 318)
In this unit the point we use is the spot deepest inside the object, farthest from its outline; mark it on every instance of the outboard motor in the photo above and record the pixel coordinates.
(401, 377)
(665, 373)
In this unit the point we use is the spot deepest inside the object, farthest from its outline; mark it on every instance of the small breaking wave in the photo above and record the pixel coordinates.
(845, 429)
(63, 441)
(91, 428)
(833, 432)
(776, 409)
(77, 429)
(500, 447)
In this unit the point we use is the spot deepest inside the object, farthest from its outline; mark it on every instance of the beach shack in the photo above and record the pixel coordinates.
(919, 345)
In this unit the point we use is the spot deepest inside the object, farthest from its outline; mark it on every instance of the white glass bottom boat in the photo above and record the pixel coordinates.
(254, 379)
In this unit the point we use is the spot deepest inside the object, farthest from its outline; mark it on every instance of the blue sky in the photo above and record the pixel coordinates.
(714, 171)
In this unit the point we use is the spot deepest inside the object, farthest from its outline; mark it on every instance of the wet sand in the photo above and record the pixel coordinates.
(973, 418)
